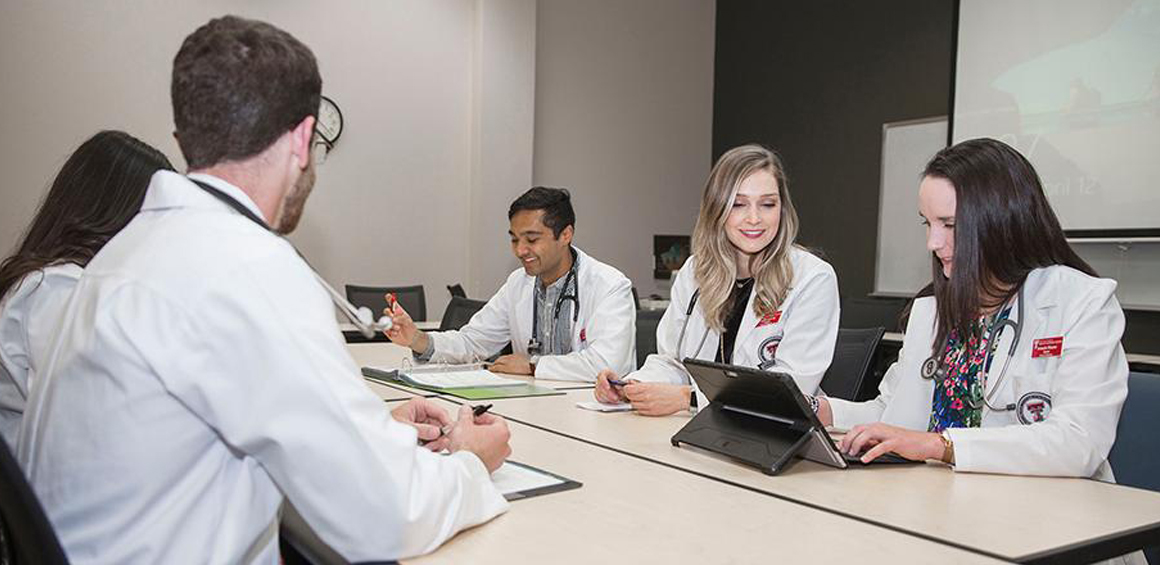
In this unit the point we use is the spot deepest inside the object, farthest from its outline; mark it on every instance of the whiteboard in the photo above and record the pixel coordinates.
(902, 266)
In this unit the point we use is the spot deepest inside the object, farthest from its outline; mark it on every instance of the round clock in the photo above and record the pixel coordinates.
(329, 121)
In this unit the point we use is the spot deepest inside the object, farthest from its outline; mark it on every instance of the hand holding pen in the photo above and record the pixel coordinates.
(486, 435)
(444, 431)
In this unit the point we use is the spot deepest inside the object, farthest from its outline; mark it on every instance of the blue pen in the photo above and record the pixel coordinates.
(617, 382)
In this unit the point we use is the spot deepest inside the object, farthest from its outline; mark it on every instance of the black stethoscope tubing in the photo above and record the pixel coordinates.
(932, 367)
(570, 282)
(685, 325)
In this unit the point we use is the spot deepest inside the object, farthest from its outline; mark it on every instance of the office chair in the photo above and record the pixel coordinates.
(26, 535)
(299, 545)
(852, 355)
(1133, 456)
(459, 311)
(635, 298)
(411, 298)
(456, 290)
(646, 334)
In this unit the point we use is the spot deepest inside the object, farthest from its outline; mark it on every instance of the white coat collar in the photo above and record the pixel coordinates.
(168, 189)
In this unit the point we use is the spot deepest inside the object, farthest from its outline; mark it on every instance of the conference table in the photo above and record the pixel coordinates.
(646, 499)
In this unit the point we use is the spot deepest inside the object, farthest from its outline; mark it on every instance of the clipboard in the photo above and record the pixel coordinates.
(525, 481)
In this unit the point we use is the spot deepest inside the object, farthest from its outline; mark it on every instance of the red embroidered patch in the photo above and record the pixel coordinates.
(1047, 347)
(583, 334)
(770, 319)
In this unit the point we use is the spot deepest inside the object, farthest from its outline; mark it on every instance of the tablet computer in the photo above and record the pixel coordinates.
(760, 418)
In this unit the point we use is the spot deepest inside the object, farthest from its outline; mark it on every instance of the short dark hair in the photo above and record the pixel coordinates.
(96, 193)
(1004, 229)
(555, 202)
(238, 85)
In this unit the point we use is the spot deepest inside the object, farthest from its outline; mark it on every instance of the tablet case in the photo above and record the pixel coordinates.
(755, 417)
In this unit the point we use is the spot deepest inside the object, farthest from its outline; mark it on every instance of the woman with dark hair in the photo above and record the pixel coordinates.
(1014, 365)
(748, 296)
(96, 193)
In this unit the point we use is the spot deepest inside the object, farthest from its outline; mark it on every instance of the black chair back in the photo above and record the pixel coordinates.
(852, 355)
(459, 311)
(411, 298)
(456, 290)
(1133, 456)
(635, 298)
(26, 536)
(646, 334)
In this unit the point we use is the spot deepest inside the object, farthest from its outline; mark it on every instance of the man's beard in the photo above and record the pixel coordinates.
(294, 202)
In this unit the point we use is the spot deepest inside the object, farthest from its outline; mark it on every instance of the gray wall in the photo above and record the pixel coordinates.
(442, 115)
(623, 119)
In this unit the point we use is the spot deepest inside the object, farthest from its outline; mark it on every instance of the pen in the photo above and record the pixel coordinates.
(480, 410)
(617, 382)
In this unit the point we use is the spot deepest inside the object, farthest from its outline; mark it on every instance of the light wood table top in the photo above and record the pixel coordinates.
(631, 510)
(1016, 518)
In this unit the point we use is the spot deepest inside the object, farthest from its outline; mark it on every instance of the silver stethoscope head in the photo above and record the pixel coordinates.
(361, 317)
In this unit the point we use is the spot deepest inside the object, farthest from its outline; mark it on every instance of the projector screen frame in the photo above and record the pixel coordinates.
(1125, 235)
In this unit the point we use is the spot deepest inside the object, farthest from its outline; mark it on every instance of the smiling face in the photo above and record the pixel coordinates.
(752, 222)
(540, 252)
(936, 205)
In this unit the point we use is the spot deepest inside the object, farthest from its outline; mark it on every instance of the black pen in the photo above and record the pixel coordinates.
(480, 410)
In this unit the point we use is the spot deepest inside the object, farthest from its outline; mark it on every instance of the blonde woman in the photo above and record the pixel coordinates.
(748, 296)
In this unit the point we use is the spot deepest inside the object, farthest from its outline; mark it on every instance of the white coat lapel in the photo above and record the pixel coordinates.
(522, 314)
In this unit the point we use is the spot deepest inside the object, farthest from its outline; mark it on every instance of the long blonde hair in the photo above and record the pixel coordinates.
(716, 264)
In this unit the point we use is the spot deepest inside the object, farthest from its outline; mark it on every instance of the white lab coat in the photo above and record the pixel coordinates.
(799, 342)
(200, 380)
(603, 336)
(1078, 393)
(29, 315)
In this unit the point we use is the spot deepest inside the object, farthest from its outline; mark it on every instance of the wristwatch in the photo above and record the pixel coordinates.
(948, 455)
(814, 403)
(533, 361)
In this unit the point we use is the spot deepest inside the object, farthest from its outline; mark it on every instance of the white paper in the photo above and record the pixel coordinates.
(511, 478)
(601, 407)
(460, 379)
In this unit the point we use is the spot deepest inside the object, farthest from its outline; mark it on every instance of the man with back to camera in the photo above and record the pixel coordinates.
(200, 379)
(567, 315)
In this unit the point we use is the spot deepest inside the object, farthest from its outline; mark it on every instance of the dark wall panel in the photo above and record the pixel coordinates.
(816, 80)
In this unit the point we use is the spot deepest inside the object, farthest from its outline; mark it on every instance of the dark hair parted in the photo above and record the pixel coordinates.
(555, 202)
(95, 194)
(1004, 229)
(238, 85)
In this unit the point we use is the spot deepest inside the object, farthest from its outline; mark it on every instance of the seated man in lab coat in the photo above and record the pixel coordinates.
(566, 315)
(200, 380)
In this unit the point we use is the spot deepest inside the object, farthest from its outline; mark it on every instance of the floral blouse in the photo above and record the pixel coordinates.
(958, 392)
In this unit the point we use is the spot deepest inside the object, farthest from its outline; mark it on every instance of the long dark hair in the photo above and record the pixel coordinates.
(97, 191)
(1004, 229)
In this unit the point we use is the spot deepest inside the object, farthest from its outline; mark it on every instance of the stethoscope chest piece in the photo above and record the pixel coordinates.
(930, 368)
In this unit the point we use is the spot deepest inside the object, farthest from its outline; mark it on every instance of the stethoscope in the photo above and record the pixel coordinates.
(361, 317)
(571, 283)
(685, 325)
(932, 367)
